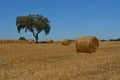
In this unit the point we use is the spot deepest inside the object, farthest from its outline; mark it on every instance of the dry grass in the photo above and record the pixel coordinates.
(12, 41)
(57, 62)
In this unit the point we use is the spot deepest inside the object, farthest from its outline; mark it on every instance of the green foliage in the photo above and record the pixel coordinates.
(22, 38)
(103, 40)
(33, 23)
(118, 39)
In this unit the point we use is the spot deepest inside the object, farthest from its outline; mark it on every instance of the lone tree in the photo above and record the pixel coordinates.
(33, 23)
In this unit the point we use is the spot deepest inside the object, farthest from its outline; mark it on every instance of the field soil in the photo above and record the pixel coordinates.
(43, 61)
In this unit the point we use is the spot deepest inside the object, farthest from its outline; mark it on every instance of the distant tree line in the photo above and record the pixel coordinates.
(117, 39)
(73, 40)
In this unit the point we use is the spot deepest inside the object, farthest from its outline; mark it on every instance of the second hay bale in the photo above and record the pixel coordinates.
(88, 44)
(50, 41)
(31, 41)
(66, 42)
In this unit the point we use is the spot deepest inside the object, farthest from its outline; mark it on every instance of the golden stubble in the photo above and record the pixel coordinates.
(56, 62)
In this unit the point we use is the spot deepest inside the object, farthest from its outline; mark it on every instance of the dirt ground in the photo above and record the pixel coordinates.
(21, 61)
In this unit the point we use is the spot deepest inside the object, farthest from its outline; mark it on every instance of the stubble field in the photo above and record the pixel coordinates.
(20, 61)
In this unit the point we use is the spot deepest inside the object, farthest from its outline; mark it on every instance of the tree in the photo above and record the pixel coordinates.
(33, 23)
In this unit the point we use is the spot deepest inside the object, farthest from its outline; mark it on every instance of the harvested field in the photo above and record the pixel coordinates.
(57, 62)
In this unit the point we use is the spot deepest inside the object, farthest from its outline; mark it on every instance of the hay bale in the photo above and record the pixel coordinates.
(31, 41)
(8, 41)
(66, 42)
(50, 41)
(88, 44)
(1, 41)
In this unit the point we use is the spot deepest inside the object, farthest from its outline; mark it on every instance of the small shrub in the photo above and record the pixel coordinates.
(22, 38)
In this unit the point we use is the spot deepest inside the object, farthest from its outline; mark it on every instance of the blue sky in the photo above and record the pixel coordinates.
(68, 18)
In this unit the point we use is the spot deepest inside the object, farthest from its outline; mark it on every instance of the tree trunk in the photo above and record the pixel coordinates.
(36, 39)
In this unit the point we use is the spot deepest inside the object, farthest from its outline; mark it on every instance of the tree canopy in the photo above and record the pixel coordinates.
(33, 23)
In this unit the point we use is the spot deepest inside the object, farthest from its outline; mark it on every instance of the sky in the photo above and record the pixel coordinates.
(69, 19)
